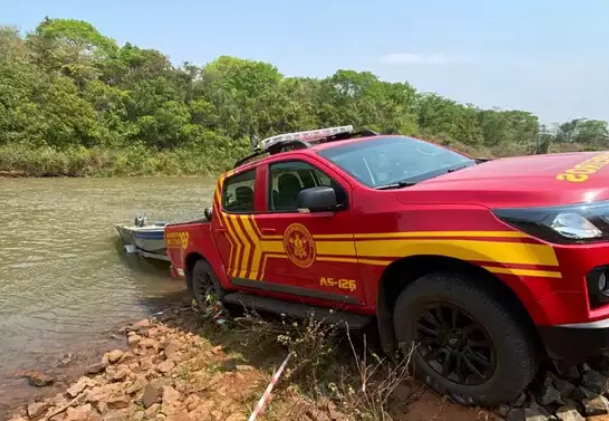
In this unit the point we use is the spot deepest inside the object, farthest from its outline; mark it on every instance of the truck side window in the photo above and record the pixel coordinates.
(238, 193)
(287, 179)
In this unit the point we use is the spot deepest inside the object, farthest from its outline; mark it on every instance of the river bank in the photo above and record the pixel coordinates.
(139, 160)
(184, 365)
(180, 366)
(135, 160)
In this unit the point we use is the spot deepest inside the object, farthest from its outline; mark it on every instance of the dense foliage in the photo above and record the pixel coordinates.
(73, 102)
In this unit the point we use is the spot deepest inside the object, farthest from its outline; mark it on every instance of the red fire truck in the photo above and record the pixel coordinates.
(485, 265)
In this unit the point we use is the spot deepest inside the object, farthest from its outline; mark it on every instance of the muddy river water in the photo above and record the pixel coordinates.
(64, 278)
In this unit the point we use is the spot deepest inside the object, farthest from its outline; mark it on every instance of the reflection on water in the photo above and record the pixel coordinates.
(63, 275)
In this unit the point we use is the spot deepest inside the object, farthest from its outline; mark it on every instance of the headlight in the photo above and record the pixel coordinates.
(573, 225)
(561, 224)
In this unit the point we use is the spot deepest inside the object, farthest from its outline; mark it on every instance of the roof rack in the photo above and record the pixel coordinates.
(302, 140)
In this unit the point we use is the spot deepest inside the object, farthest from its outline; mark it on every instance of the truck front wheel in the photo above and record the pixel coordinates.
(205, 284)
(467, 344)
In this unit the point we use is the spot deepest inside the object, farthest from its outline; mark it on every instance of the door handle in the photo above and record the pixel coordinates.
(268, 230)
(221, 230)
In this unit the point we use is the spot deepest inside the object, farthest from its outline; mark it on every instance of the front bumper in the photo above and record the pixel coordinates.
(576, 342)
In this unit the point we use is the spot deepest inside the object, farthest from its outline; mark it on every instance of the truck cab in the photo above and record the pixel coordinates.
(476, 264)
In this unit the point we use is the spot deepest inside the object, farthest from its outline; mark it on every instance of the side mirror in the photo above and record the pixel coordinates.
(317, 199)
(207, 213)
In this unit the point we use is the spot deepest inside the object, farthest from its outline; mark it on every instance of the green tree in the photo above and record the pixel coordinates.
(68, 90)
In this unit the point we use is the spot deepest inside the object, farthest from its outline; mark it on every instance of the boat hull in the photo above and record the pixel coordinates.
(147, 238)
(152, 240)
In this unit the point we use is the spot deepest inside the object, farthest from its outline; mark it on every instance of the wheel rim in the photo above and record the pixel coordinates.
(454, 344)
(202, 287)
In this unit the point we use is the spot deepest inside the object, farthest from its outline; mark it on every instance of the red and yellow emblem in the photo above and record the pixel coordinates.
(299, 245)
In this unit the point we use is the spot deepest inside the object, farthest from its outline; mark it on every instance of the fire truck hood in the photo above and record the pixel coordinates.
(537, 180)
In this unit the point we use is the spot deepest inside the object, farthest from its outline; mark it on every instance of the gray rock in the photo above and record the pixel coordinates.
(96, 368)
(536, 408)
(595, 381)
(569, 413)
(39, 379)
(151, 395)
(564, 387)
(596, 406)
(583, 393)
(550, 396)
(526, 414)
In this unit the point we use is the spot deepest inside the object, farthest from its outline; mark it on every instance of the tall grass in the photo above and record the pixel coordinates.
(20, 160)
(130, 161)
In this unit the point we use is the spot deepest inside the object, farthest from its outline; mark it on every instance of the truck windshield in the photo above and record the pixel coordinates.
(394, 161)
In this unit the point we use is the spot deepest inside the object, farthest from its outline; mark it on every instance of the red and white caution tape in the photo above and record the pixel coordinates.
(267, 393)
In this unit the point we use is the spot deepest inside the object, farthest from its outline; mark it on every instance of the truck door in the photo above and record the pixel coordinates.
(306, 255)
(234, 203)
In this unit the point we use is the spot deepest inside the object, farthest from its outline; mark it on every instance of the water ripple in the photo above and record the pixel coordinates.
(63, 279)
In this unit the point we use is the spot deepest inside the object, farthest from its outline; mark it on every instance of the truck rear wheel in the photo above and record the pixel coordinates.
(467, 344)
(205, 284)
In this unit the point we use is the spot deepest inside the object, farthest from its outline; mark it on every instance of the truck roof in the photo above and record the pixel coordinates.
(307, 140)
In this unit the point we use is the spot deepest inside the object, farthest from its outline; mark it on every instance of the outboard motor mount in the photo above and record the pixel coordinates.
(140, 220)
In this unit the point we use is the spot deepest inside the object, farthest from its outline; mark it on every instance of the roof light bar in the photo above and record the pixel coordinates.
(306, 135)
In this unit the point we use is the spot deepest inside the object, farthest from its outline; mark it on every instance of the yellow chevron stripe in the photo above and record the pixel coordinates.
(236, 250)
(494, 251)
(524, 272)
(396, 246)
(263, 268)
(223, 222)
(498, 234)
(247, 223)
(245, 251)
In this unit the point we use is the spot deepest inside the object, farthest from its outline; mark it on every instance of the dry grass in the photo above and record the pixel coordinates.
(328, 365)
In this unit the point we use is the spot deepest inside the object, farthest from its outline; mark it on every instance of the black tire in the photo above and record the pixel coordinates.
(205, 282)
(511, 349)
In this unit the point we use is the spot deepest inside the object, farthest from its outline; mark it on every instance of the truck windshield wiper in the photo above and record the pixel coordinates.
(396, 185)
(460, 167)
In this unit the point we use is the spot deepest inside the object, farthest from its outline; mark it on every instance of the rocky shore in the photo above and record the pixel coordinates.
(171, 370)
(167, 372)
